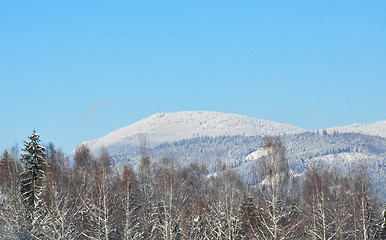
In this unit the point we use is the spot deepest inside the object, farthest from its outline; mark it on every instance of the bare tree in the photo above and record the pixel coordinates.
(273, 182)
(59, 198)
(341, 198)
(190, 201)
(12, 212)
(128, 192)
(80, 187)
(224, 218)
(364, 217)
(101, 199)
(166, 225)
(318, 199)
(146, 185)
(60, 211)
(383, 226)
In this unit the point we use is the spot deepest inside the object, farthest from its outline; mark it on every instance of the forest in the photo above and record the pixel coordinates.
(45, 195)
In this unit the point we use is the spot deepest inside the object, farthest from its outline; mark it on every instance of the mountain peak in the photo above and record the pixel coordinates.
(170, 127)
(162, 128)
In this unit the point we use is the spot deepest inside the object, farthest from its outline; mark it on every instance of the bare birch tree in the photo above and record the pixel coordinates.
(273, 182)
(223, 218)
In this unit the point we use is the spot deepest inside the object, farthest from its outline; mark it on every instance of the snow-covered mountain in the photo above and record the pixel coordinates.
(164, 128)
(171, 127)
(373, 129)
(237, 141)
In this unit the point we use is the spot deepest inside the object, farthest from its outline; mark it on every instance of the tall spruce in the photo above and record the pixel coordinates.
(32, 183)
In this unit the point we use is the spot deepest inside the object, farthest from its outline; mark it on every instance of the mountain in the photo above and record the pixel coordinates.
(237, 141)
(374, 129)
(186, 135)
(171, 127)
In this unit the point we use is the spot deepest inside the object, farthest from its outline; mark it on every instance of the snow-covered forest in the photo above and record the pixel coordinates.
(45, 196)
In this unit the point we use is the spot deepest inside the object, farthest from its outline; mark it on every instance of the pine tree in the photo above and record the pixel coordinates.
(32, 183)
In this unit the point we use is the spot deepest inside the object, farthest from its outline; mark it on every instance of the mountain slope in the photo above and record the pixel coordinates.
(373, 129)
(236, 140)
(172, 127)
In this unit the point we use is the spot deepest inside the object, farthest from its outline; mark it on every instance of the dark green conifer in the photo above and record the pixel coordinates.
(32, 182)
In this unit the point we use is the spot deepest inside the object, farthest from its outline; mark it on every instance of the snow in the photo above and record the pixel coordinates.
(373, 129)
(345, 157)
(257, 154)
(170, 127)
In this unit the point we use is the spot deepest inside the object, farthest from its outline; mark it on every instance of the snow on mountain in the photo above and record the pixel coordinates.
(344, 158)
(259, 153)
(373, 129)
(171, 127)
(236, 140)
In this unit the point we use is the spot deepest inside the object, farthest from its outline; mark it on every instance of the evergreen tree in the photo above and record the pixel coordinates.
(32, 183)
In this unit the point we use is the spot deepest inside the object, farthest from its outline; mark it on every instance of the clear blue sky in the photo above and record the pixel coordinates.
(77, 70)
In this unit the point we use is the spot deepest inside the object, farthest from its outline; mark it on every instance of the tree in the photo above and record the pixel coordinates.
(249, 218)
(11, 207)
(383, 226)
(128, 195)
(224, 207)
(318, 203)
(32, 183)
(59, 202)
(60, 211)
(365, 220)
(273, 179)
(9, 171)
(101, 200)
(81, 184)
(191, 189)
(146, 185)
(83, 160)
(165, 199)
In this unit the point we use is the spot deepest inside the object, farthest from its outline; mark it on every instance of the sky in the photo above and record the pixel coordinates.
(78, 70)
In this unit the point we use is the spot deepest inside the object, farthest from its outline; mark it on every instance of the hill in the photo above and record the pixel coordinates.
(171, 127)
(236, 141)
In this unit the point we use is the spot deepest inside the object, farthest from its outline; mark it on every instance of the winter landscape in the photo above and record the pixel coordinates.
(192, 120)
(200, 175)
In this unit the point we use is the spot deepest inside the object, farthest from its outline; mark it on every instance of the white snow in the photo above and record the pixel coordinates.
(374, 129)
(345, 157)
(257, 154)
(170, 127)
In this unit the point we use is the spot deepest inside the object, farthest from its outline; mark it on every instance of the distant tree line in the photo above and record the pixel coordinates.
(43, 196)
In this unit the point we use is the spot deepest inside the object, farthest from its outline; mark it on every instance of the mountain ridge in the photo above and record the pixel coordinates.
(162, 128)
(237, 140)
(373, 129)
(170, 127)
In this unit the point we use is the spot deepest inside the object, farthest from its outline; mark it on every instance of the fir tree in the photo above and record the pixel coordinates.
(32, 182)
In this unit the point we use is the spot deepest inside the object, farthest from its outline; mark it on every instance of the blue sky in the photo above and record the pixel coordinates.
(77, 70)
